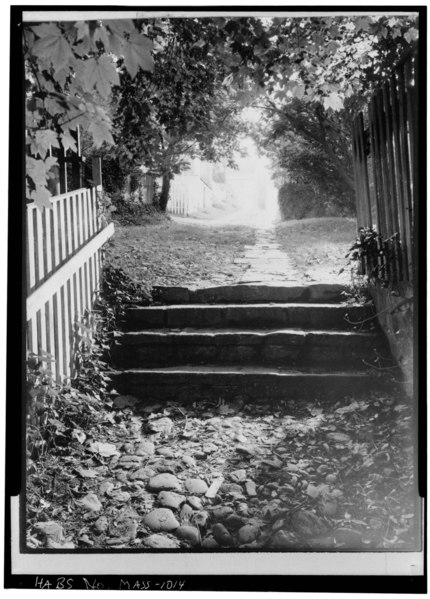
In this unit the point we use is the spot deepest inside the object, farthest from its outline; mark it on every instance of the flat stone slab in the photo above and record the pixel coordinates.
(282, 347)
(195, 383)
(252, 293)
(305, 315)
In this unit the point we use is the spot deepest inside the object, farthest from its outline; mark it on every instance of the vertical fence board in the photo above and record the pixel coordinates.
(62, 228)
(80, 223)
(39, 333)
(367, 211)
(357, 175)
(51, 333)
(405, 166)
(384, 163)
(400, 192)
(57, 338)
(75, 297)
(75, 225)
(64, 329)
(32, 337)
(91, 279)
(40, 258)
(80, 293)
(31, 345)
(90, 212)
(49, 214)
(55, 237)
(380, 183)
(84, 214)
(97, 269)
(94, 209)
(68, 216)
(31, 263)
(70, 310)
(412, 104)
(45, 247)
(43, 327)
(86, 288)
(392, 190)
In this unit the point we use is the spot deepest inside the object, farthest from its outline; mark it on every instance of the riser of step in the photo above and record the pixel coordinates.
(195, 384)
(250, 293)
(327, 316)
(246, 347)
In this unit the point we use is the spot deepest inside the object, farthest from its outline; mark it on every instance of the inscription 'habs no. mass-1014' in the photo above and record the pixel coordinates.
(63, 583)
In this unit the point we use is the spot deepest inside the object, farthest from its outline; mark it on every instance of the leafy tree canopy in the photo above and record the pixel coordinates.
(182, 72)
(185, 107)
(70, 68)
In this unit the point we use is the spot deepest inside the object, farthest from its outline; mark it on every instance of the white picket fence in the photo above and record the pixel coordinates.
(179, 202)
(188, 195)
(64, 261)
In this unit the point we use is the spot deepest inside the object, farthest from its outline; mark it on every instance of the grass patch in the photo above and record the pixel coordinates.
(317, 246)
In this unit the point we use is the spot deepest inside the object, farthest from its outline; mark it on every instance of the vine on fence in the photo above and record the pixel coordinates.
(374, 256)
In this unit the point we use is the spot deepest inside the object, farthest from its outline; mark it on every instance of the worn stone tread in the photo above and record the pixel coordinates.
(247, 370)
(236, 334)
(252, 293)
(303, 315)
(191, 383)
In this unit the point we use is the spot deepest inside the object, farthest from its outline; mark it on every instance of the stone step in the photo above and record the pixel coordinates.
(275, 347)
(327, 316)
(251, 293)
(198, 383)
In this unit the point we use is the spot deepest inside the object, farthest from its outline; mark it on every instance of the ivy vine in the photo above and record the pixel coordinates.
(375, 257)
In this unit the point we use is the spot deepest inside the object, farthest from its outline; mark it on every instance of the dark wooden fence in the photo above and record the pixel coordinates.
(385, 149)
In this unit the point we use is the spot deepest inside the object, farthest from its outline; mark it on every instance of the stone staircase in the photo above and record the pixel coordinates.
(248, 341)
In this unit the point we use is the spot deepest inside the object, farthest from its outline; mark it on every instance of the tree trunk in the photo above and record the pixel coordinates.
(165, 191)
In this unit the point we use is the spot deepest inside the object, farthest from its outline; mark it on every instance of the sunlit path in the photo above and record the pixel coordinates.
(267, 263)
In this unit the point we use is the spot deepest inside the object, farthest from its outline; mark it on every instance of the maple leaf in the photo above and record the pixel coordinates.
(52, 46)
(333, 101)
(83, 30)
(120, 26)
(68, 142)
(362, 23)
(137, 53)
(55, 105)
(298, 91)
(116, 44)
(101, 34)
(411, 35)
(37, 169)
(41, 197)
(44, 139)
(99, 73)
(101, 132)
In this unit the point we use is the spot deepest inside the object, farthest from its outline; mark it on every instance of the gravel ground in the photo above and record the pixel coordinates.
(211, 476)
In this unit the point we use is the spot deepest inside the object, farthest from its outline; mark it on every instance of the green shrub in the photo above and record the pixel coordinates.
(133, 212)
(301, 200)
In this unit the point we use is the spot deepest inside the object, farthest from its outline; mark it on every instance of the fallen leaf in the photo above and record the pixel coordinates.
(104, 449)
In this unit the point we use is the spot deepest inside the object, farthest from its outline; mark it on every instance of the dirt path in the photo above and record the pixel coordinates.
(181, 253)
(242, 247)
